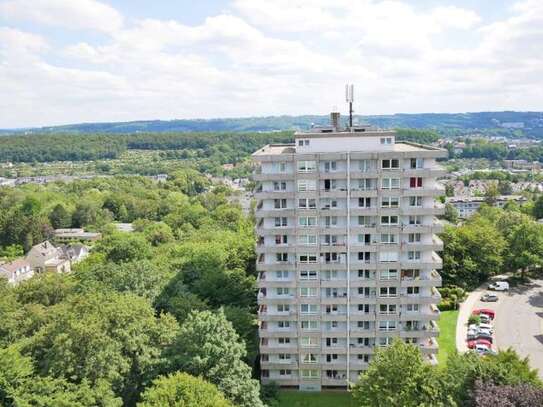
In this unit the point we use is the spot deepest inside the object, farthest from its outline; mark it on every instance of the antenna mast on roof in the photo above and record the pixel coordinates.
(349, 98)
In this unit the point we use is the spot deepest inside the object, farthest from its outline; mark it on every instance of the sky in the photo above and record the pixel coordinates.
(72, 61)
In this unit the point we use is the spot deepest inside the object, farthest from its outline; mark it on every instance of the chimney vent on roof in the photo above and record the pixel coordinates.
(334, 120)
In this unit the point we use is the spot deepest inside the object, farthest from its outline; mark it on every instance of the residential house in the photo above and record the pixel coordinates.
(75, 252)
(16, 271)
(47, 257)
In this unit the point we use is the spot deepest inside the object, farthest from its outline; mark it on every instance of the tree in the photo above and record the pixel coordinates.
(182, 389)
(158, 233)
(451, 214)
(11, 252)
(537, 210)
(505, 187)
(60, 217)
(491, 193)
(399, 377)
(525, 247)
(449, 190)
(522, 395)
(102, 336)
(208, 346)
(124, 247)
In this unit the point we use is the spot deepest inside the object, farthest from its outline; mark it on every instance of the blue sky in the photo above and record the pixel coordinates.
(67, 61)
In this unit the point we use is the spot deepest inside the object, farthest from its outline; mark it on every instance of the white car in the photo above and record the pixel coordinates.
(499, 286)
(486, 326)
(480, 348)
(485, 319)
(484, 331)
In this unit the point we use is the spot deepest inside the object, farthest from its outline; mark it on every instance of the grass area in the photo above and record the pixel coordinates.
(307, 399)
(447, 335)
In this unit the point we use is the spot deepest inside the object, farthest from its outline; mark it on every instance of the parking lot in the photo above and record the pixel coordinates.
(519, 320)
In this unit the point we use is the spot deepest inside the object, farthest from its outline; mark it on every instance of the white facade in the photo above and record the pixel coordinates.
(346, 253)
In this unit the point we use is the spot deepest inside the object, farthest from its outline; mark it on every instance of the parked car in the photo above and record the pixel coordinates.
(484, 331)
(484, 350)
(499, 286)
(485, 319)
(486, 311)
(489, 297)
(482, 325)
(472, 343)
(484, 336)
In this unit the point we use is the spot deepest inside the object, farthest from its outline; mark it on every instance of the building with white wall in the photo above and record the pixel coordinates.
(346, 253)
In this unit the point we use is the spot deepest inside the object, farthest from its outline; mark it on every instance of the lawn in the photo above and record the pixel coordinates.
(306, 399)
(447, 335)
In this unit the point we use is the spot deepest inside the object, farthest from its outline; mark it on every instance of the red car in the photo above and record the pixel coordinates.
(472, 343)
(486, 311)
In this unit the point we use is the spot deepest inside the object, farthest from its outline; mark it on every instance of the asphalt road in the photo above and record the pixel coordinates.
(519, 321)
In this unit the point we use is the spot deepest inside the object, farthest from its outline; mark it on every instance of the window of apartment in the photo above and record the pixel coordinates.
(392, 164)
(281, 257)
(366, 274)
(307, 203)
(412, 307)
(310, 373)
(307, 221)
(332, 309)
(366, 184)
(281, 239)
(331, 257)
(364, 358)
(330, 166)
(331, 357)
(388, 220)
(387, 257)
(364, 238)
(415, 182)
(413, 237)
(309, 342)
(284, 356)
(282, 290)
(388, 291)
(415, 219)
(330, 184)
(367, 221)
(283, 324)
(308, 275)
(309, 308)
(386, 140)
(415, 201)
(283, 307)
(390, 202)
(387, 309)
(364, 202)
(308, 291)
(328, 203)
(307, 240)
(390, 274)
(331, 342)
(307, 185)
(285, 372)
(366, 291)
(309, 325)
(390, 183)
(363, 325)
(329, 275)
(410, 274)
(364, 308)
(330, 220)
(280, 222)
(415, 163)
(365, 165)
(283, 341)
(307, 258)
(413, 290)
(330, 240)
(282, 167)
(387, 325)
(279, 186)
(385, 341)
(279, 203)
(389, 238)
(303, 142)
(413, 255)
(364, 256)
(310, 358)
(306, 166)
(282, 275)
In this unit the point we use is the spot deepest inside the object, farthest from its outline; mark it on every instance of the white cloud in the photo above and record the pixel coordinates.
(73, 14)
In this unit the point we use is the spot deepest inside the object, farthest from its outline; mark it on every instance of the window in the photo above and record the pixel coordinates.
(308, 291)
(364, 358)
(416, 163)
(330, 166)
(366, 292)
(415, 182)
(366, 221)
(413, 237)
(331, 258)
(363, 325)
(390, 202)
(364, 256)
(364, 308)
(412, 307)
(329, 203)
(392, 164)
(366, 184)
(309, 325)
(281, 239)
(388, 238)
(310, 358)
(364, 202)
(283, 324)
(307, 166)
(279, 186)
(307, 258)
(389, 220)
(413, 290)
(364, 238)
(307, 203)
(281, 257)
(282, 290)
(303, 142)
(386, 140)
(390, 274)
(390, 183)
(387, 257)
(330, 240)
(413, 255)
(308, 308)
(310, 373)
(283, 341)
(285, 372)
(282, 275)
(280, 222)
(388, 292)
(331, 357)
(366, 274)
(415, 220)
(307, 221)
(365, 165)
(330, 220)
(282, 167)
(385, 341)
(307, 240)
(279, 203)
(283, 307)
(330, 184)
(308, 275)
(415, 201)
(307, 185)
(410, 274)
(309, 342)
(387, 325)
(387, 309)
(331, 342)
(329, 275)
(284, 356)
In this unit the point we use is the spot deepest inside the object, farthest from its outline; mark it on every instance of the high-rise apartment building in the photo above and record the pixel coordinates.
(346, 252)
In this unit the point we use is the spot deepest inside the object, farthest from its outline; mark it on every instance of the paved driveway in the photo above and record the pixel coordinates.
(518, 323)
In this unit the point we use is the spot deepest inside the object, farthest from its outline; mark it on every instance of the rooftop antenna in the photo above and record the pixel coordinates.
(349, 98)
